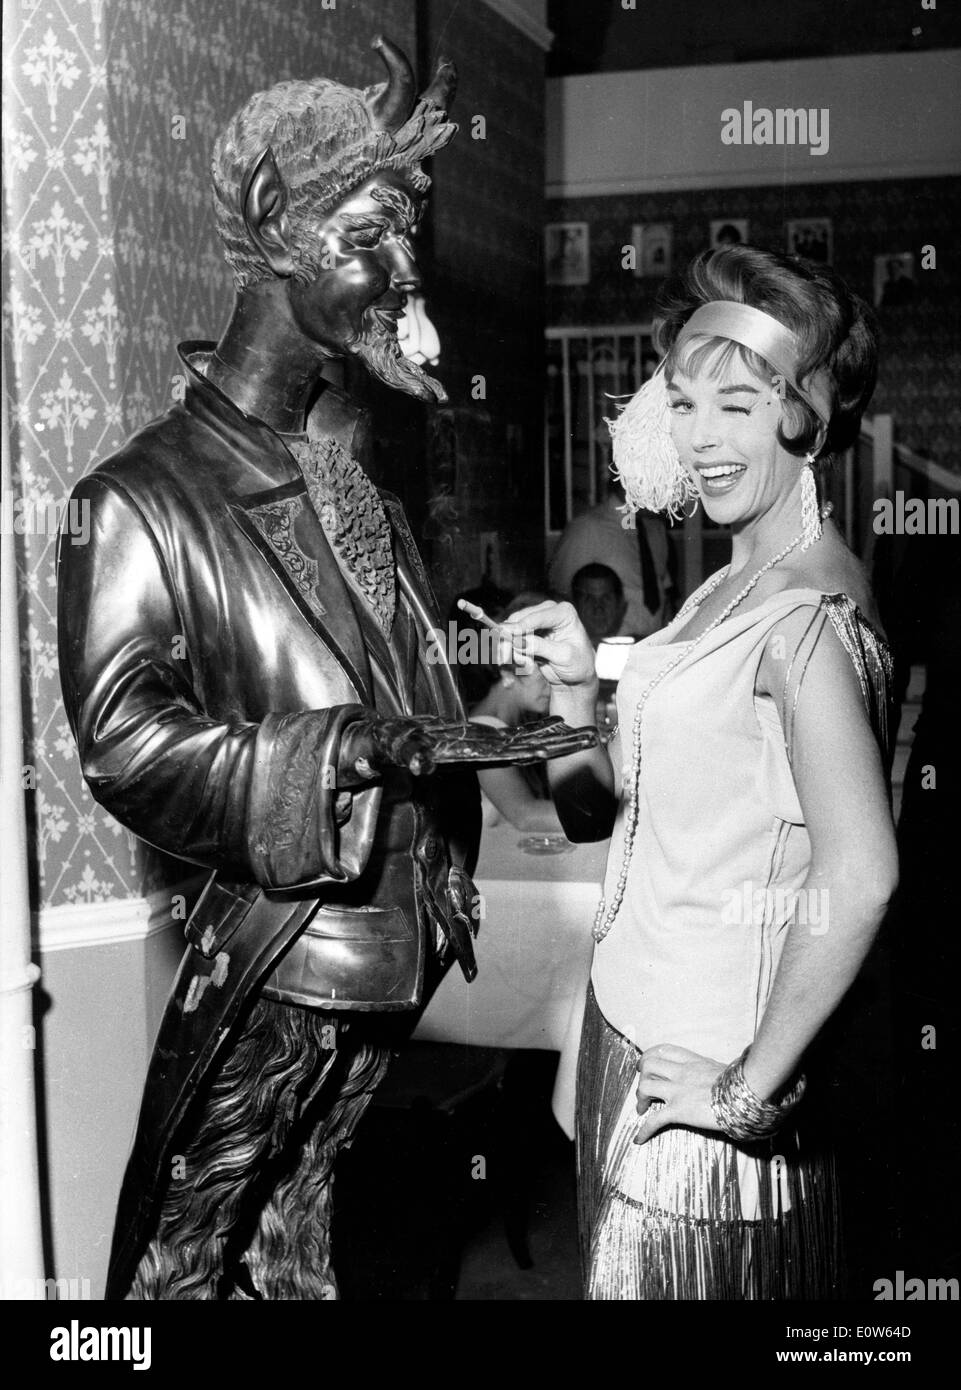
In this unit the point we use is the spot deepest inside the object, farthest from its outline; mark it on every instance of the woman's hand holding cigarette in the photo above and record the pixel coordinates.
(552, 635)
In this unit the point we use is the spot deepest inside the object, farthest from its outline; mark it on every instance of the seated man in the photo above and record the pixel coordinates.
(636, 546)
(598, 595)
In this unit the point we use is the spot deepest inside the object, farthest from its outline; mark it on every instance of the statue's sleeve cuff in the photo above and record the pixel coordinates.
(300, 832)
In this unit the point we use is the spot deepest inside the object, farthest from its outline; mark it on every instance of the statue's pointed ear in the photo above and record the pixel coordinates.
(263, 202)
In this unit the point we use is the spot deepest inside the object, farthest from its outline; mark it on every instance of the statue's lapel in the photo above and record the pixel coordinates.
(405, 548)
(393, 693)
(282, 525)
(421, 649)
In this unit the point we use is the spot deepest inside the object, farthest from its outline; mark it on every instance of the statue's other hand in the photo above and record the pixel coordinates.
(368, 746)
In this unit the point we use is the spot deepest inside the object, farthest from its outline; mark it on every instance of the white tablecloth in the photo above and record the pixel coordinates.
(534, 951)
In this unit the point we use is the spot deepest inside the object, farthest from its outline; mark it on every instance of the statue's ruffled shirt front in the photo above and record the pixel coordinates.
(355, 523)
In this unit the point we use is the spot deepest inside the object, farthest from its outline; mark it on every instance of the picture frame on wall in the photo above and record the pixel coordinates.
(653, 244)
(894, 279)
(728, 231)
(811, 237)
(567, 253)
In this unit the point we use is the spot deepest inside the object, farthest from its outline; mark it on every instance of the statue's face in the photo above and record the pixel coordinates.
(353, 303)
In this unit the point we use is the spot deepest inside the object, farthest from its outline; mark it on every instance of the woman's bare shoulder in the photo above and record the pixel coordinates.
(831, 568)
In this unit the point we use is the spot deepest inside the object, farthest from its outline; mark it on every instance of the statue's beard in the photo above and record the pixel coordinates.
(381, 353)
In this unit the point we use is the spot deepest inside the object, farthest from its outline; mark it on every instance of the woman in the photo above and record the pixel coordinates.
(753, 852)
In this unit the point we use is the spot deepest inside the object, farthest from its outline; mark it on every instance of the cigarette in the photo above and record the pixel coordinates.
(473, 610)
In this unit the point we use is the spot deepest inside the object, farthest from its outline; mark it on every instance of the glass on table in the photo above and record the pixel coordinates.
(612, 654)
(549, 842)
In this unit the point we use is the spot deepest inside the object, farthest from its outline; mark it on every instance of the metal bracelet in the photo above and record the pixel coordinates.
(740, 1113)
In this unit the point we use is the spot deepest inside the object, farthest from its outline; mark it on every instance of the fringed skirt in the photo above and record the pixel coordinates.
(690, 1215)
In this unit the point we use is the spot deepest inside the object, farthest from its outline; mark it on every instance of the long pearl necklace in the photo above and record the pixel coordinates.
(604, 919)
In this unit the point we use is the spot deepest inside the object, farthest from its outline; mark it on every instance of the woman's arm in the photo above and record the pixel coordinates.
(582, 784)
(839, 775)
(506, 788)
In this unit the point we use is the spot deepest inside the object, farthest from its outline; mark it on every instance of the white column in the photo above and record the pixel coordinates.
(21, 1249)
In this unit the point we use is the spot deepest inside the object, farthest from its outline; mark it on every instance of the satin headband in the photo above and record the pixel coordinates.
(754, 329)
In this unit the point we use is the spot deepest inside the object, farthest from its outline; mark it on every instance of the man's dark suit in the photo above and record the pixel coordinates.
(211, 654)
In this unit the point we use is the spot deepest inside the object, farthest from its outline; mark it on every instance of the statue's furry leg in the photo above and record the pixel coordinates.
(289, 1256)
(234, 1143)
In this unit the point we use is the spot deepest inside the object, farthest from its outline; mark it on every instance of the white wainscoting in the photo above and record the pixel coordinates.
(106, 969)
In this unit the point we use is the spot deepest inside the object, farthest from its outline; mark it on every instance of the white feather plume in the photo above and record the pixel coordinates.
(645, 459)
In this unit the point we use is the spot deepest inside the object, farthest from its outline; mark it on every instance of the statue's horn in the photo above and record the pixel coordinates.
(443, 85)
(394, 102)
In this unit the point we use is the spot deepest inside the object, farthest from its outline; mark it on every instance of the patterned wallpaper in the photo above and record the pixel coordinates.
(109, 259)
(921, 341)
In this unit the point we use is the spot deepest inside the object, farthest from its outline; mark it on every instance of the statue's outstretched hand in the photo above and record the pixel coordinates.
(418, 744)
(535, 742)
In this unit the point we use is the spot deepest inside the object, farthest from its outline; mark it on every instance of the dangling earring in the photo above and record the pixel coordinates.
(810, 507)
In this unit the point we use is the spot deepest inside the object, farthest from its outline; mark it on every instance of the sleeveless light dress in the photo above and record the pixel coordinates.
(720, 853)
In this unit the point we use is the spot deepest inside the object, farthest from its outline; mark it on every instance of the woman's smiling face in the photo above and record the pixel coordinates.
(724, 424)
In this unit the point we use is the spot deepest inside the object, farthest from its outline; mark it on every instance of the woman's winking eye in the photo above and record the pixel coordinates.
(682, 405)
(740, 389)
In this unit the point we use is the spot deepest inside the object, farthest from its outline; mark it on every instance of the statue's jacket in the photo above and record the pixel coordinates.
(211, 653)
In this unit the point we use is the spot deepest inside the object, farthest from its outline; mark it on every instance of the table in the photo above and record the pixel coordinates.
(534, 950)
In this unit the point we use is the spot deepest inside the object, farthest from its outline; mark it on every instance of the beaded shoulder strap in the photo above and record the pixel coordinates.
(873, 662)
